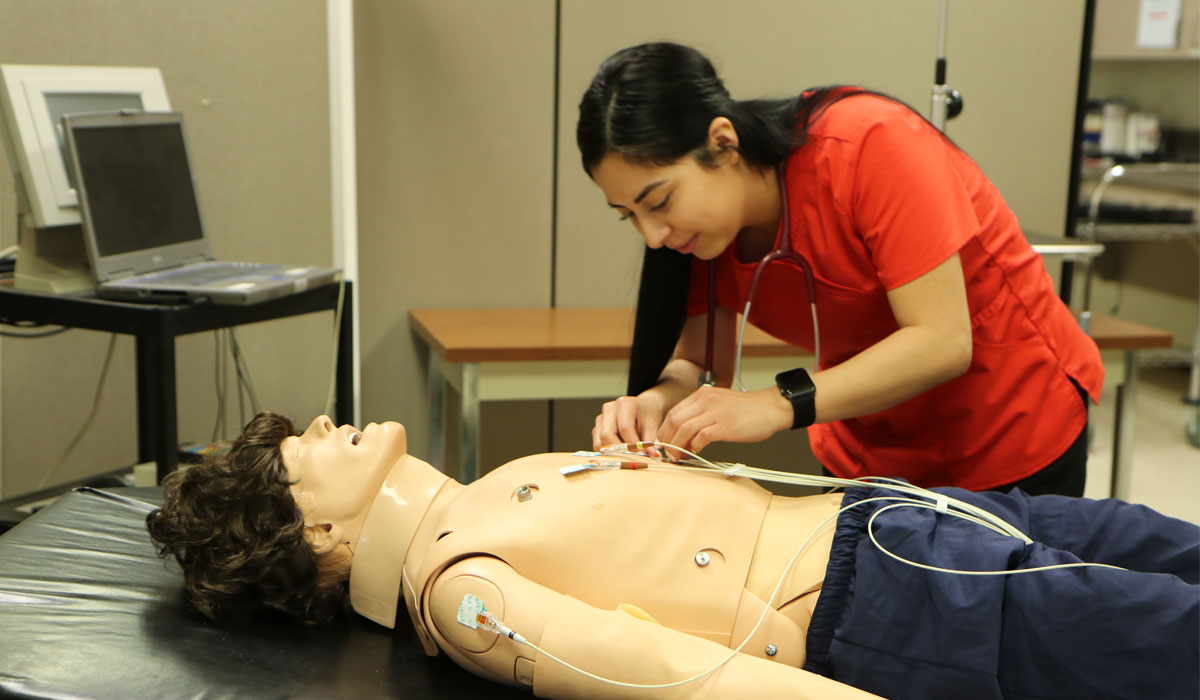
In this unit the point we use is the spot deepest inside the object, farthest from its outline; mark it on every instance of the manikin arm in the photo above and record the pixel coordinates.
(623, 645)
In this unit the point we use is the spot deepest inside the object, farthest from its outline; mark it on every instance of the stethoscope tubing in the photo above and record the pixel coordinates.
(783, 252)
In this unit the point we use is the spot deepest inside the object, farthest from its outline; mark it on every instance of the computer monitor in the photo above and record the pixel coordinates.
(33, 101)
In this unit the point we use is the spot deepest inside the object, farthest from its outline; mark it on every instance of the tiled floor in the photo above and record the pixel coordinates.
(1166, 468)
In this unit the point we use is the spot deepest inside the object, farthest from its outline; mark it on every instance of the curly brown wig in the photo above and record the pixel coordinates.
(238, 535)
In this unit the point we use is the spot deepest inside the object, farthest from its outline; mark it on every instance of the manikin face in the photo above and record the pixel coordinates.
(337, 471)
(683, 206)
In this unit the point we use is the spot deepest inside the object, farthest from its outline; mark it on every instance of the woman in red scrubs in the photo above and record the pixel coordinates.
(946, 356)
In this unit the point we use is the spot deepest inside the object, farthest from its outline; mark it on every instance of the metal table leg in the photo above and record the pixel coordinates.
(1126, 410)
(469, 424)
(158, 430)
(345, 398)
(437, 411)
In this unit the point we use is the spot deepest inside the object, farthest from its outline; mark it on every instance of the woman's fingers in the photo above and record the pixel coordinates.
(712, 414)
(626, 419)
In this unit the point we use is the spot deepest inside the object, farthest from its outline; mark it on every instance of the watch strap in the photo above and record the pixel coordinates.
(797, 387)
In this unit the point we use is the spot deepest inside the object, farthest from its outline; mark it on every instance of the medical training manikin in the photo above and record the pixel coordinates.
(670, 584)
(613, 575)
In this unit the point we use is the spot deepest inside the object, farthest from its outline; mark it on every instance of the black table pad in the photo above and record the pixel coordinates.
(87, 610)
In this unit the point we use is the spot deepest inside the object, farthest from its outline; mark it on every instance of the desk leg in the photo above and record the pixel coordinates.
(158, 436)
(437, 411)
(1123, 428)
(469, 424)
(344, 406)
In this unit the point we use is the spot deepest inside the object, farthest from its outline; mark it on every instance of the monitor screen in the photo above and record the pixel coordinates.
(60, 103)
(32, 101)
(138, 185)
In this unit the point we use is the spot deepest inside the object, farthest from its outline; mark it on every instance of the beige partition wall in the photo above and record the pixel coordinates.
(455, 162)
(251, 80)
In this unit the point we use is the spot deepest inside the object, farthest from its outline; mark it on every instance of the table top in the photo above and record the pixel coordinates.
(515, 335)
(1055, 246)
(149, 318)
(1111, 333)
(537, 334)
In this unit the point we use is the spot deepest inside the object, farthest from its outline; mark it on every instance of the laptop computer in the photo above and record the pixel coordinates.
(141, 219)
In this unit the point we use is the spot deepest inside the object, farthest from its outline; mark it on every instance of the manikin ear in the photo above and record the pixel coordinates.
(323, 537)
(722, 137)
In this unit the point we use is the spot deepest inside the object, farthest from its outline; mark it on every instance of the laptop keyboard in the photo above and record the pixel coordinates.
(203, 273)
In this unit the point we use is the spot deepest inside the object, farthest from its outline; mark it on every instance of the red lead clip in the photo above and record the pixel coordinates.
(616, 464)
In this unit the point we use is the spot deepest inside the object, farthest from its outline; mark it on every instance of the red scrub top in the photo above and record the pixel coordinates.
(879, 197)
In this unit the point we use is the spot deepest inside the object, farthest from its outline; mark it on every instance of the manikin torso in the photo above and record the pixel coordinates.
(698, 553)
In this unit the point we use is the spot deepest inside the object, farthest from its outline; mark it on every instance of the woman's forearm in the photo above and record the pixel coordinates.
(908, 362)
(678, 380)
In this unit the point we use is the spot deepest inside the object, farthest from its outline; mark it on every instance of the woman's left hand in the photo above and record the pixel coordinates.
(713, 414)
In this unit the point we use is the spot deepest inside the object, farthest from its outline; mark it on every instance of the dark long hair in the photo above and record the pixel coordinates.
(652, 104)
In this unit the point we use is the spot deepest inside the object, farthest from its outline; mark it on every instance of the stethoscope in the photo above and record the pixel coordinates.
(783, 252)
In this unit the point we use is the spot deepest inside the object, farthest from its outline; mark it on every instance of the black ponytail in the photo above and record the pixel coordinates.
(661, 311)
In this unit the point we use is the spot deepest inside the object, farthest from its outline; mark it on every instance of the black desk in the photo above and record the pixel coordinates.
(155, 327)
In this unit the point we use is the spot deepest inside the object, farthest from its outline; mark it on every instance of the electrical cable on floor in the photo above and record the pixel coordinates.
(112, 344)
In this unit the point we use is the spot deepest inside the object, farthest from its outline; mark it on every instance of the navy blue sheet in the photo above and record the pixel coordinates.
(905, 632)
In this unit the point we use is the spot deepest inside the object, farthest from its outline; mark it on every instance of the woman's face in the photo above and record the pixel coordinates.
(337, 472)
(682, 206)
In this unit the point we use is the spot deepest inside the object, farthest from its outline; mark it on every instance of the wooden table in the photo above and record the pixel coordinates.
(1118, 334)
(560, 353)
(569, 353)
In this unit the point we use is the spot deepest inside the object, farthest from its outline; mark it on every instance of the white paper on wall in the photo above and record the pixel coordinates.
(1158, 24)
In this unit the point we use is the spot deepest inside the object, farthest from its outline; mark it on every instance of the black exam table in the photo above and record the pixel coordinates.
(88, 611)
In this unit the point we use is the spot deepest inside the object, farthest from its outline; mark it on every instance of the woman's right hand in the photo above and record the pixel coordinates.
(629, 419)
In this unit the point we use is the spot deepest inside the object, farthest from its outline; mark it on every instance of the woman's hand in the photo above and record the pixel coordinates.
(629, 419)
(712, 414)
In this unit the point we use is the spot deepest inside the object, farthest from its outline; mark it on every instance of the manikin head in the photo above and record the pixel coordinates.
(273, 525)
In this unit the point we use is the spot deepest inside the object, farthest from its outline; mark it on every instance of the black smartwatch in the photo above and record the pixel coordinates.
(797, 387)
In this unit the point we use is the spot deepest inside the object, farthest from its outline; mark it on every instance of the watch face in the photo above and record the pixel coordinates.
(794, 382)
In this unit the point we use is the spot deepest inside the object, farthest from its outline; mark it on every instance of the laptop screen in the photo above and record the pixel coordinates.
(139, 186)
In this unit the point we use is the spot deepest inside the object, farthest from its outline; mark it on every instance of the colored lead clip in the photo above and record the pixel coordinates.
(600, 465)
